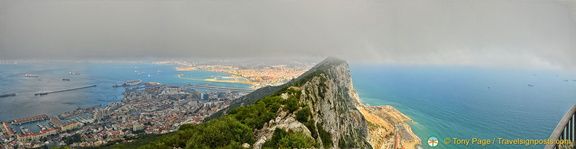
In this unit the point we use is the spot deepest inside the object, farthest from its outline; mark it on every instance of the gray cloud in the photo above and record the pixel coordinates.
(494, 33)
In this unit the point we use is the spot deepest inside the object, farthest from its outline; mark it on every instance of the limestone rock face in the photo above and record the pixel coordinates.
(333, 100)
(327, 90)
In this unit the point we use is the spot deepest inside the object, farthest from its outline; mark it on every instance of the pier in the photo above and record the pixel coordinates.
(6, 129)
(46, 93)
(219, 88)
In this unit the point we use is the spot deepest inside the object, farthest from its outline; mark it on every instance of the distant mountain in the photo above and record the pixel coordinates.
(318, 109)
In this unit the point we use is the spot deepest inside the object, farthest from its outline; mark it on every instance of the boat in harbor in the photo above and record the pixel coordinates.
(29, 75)
(129, 83)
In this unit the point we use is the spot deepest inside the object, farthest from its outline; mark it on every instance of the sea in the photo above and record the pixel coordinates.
(444, 101)
(470, 102)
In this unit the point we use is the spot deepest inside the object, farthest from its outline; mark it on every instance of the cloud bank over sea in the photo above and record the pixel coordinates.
(416, 32)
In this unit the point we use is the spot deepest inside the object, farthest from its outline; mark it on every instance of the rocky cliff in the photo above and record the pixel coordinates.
(334, 121)
(339, 119)
(332, 100)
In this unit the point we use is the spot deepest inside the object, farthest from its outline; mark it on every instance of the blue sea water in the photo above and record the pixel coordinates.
(102, 74)
(470, 102)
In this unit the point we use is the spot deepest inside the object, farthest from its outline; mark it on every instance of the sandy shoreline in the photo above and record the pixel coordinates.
(386, 125)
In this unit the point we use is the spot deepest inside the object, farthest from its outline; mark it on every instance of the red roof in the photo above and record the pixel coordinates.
(43, 115)
(69, 123)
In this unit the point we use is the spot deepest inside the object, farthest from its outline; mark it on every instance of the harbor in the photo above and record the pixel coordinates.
(65, 90)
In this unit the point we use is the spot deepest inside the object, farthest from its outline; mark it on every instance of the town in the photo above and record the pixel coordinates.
(152, 108)
(259, 75)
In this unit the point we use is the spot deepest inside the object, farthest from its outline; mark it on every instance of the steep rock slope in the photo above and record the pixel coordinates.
(332, 100)
(327, 95)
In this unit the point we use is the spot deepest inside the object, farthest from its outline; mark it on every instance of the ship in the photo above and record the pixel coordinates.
(65, 79)
(40, 94)
(73, 73)
(7, 95)
(29, 75)
(129, 83)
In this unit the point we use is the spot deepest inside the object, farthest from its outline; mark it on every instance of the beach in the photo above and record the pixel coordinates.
(388, 128)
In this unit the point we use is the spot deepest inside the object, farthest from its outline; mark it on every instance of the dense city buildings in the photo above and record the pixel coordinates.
(152, 108)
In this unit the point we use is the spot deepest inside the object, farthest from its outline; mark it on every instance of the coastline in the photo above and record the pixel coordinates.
(387, 125)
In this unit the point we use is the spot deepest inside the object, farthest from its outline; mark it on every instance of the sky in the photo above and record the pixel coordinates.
(515, 33)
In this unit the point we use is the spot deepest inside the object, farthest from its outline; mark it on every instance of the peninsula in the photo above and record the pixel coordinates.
(319, 109)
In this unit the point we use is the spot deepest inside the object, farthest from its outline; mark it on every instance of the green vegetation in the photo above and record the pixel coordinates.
(248, 100)
(72, 139)
(325, 136)
(283, 139)
(259, 113)
(208, 135)
(303, 115)
(309, 77)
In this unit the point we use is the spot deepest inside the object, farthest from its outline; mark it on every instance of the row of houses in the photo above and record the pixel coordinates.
(42, 134)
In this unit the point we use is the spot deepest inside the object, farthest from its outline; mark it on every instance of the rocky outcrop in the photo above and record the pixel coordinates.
(337, 119)
(332, 99)
(336, 122)
(283, 120)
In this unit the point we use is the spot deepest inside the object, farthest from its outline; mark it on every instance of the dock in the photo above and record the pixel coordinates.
(220, 88)
(65, 90)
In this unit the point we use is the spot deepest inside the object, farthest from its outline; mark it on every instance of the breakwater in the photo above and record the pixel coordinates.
(65, 90)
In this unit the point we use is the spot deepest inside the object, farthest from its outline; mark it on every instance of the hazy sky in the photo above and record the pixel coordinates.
(494, 33)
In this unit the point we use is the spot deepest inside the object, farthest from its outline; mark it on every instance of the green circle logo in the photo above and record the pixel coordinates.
(432, 141)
